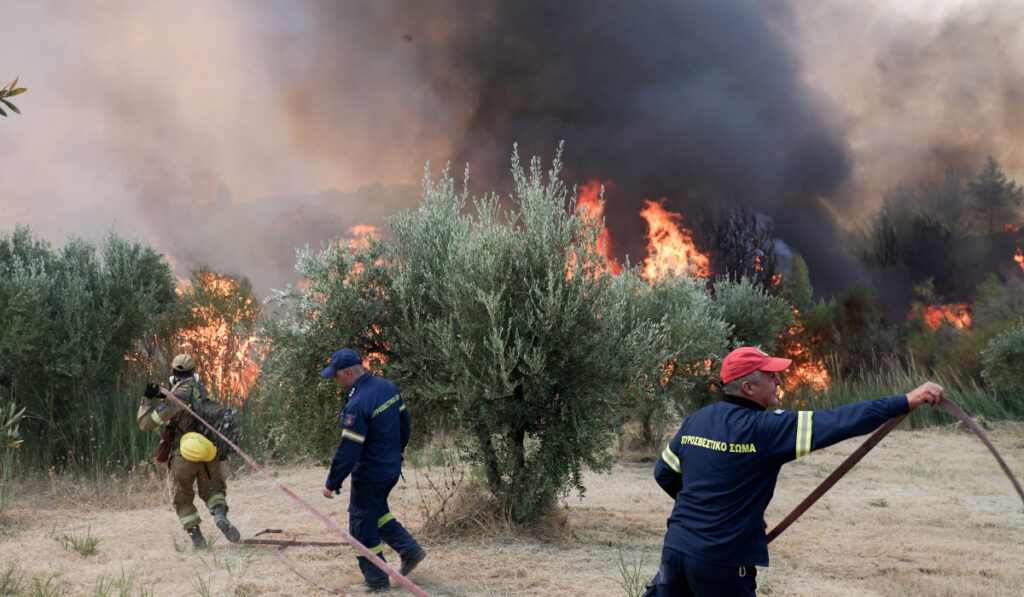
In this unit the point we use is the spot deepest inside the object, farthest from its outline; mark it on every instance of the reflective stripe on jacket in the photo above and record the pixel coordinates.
(155, 413)
(375, 429)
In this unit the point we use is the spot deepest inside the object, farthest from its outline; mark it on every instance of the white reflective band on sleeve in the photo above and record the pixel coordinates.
(401, 408)
(671, 459)
(804, 425)
(353, 436)
(156, 418)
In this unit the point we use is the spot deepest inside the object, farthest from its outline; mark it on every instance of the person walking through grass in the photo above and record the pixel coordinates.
(375, 431)
(191, 458)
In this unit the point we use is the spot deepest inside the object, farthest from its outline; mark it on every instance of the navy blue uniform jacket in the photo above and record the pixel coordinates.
(722, 465)
(375, 431)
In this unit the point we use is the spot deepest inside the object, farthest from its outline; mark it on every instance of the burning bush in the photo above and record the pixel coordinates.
(219, 332)
(952, 337)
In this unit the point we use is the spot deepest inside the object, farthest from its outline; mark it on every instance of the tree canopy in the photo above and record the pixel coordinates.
(500, 322)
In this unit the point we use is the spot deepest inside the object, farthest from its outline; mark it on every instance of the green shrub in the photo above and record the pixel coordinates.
(69, 319)
(756, 318)
(796, 284)
(10, 440)
(845, 332)
(696, 337)
(1003, 360)
(502, 325)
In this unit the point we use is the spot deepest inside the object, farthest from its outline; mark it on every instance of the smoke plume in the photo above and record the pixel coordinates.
(227, 134)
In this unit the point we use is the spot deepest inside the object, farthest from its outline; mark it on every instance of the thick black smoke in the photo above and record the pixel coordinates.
(695, 101)
(314, 116)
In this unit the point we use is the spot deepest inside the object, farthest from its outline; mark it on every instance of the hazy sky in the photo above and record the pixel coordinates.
(227, 133)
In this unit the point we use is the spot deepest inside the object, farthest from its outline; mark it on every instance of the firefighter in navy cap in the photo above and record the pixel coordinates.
(722, 465)
(374, 432)
(191, 458)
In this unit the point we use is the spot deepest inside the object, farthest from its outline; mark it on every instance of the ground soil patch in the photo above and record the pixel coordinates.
(926, 513)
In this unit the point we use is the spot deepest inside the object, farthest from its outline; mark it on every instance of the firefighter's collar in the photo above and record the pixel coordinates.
(742, 402)
(359, 382)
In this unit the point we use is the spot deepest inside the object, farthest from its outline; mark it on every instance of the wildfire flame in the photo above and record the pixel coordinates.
(807, 371)
(670, 247)
(227, 361)
(589, 206)
(1019, 258)
(1011, 228)
(361, 235)
(955, 314)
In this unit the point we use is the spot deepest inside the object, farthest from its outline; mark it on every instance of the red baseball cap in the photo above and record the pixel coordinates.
(747, 359)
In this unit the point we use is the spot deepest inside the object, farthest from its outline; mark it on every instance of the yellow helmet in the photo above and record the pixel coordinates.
(196, 448)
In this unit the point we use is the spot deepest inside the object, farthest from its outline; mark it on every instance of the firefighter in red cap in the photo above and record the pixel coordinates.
(722, 465)
(191, 458)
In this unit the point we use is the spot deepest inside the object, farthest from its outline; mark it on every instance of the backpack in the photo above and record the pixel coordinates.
(220, 418)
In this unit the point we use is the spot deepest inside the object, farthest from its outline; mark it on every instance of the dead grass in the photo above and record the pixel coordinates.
(951, 524)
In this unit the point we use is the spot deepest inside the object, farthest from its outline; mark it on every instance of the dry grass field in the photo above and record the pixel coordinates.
(927, 513)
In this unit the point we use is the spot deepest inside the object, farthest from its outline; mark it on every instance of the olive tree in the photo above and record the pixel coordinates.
(755, 316)
(498, 319)
(697, 339)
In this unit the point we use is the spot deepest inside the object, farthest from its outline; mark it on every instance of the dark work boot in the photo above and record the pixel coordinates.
(412, 561)
(365, 588)
(198, 541)
(220, 516)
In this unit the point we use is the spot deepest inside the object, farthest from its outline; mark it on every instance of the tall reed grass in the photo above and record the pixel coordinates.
(101, 435)
(966, 392)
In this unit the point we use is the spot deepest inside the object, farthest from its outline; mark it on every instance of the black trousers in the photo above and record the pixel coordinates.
(683, 576)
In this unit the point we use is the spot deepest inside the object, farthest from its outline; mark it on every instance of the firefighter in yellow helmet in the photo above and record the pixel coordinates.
(190, 457)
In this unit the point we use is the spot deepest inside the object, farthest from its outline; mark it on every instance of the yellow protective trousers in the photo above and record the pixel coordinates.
(209, 479)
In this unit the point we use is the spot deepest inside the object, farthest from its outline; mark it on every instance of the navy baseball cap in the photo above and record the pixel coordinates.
(343, 359)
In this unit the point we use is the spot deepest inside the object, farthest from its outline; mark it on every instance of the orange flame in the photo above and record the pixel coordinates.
(807, 369)
(1011, 228)
(227, 362)
(670, 247)
(361, 234)
(1019, 258)
(589, 206)
(955, 314)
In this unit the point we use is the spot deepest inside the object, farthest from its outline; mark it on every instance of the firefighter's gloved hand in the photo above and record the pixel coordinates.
(152, 390)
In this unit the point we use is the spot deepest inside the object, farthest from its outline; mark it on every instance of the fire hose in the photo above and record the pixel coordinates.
(851, 460)
(349, 539)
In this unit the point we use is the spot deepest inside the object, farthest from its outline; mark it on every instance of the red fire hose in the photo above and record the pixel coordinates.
(851, 460)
